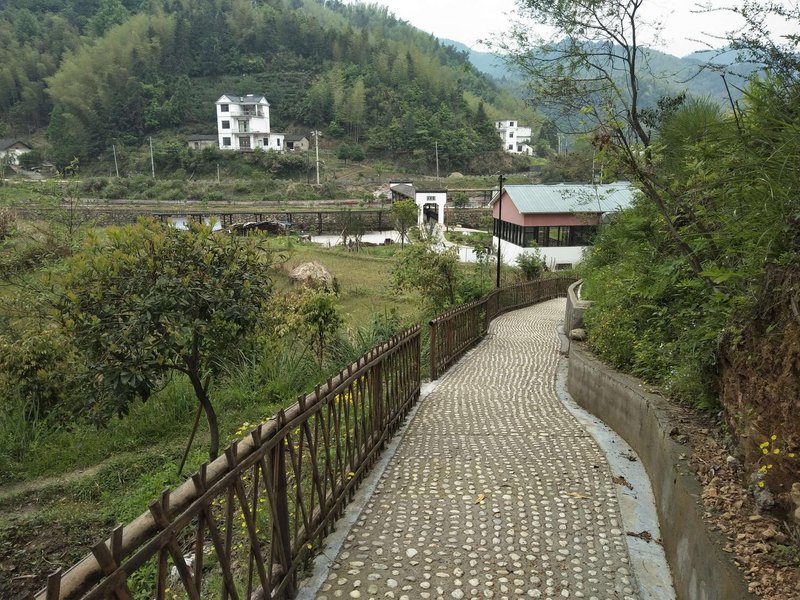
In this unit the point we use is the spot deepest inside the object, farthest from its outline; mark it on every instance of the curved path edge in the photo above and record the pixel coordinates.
(637, 502)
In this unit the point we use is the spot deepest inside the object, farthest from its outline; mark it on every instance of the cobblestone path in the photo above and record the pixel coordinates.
(495, 491)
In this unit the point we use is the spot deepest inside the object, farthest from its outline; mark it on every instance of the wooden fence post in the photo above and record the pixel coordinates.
(376, 393)
(280, 526)
(432, 340)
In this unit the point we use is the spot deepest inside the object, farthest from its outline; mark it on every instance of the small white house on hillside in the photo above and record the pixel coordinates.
(201, 140)
(243, 124)
(11, 149)
(430, 202)
(516, 138)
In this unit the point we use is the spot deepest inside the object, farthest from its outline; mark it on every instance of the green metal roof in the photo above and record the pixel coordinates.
(570, 198)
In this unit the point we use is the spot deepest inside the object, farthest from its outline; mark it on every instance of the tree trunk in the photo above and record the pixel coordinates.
(201, 391)
(208, 408)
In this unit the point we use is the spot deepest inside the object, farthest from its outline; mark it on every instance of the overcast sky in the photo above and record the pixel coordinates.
(469, 21)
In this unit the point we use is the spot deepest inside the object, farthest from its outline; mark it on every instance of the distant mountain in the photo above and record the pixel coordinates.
(486, 62)
(698, 73)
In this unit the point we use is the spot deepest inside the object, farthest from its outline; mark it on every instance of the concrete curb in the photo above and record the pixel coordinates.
(700, 568)
(637, 503)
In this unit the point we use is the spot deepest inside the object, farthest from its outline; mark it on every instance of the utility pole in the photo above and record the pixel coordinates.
(152, 164)
(217, 173)
(116, 166)
(499, 227)
(437, 158)
(315, 133)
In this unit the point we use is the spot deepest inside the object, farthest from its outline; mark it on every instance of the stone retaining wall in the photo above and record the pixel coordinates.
(701, 570)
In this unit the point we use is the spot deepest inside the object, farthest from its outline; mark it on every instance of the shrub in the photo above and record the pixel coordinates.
(532, 264)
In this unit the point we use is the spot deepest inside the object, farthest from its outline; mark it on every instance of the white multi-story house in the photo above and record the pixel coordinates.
(243, 124)
(516, 138)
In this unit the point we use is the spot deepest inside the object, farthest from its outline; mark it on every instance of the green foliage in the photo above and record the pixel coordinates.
(460, 199)
(438, 277)
(114, 72)
(147, 301)
(404, 214)
(532, 264)
(655, 314)
(349, 346)
(320, 319)
(30, 159)
(352, 152)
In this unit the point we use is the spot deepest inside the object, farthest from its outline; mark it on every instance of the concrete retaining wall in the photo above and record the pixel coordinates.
(575, 308)
(701, 570)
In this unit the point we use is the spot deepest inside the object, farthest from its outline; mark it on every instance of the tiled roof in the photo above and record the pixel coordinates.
(404, 190)
(250, 98)
(6, 143)
(569, 198)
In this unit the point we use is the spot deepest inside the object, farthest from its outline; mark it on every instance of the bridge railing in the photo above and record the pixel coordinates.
(460, 328)
(244, 525)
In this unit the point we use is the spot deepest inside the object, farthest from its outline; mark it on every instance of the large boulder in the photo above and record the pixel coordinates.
(312, 274)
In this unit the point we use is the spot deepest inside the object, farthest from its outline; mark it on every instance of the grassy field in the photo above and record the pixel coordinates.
(364, 280)
(80, 480)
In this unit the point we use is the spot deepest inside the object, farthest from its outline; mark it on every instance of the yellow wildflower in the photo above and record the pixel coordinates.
(761, 484)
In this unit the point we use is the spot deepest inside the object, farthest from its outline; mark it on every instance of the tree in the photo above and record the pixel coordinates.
(320, 319)
(589, 73)
(435, 274)
(30, 159)
(405, 214)
(532, 264)
(148, 301)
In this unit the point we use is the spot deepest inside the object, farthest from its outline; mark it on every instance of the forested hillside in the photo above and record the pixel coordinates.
(100, 72)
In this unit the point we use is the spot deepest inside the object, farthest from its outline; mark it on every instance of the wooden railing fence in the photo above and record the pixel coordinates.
(244, 525)
(460, 328)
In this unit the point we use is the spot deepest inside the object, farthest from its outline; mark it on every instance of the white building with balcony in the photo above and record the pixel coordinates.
(243, 124)
(516, 138)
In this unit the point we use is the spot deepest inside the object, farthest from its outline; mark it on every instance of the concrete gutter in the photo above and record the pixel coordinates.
(701, 569)
(637, 503)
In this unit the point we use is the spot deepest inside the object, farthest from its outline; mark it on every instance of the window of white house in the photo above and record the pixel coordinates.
(226, 141)
(264, 142)
(510, 134)
(278, 141)
(223, 108)
(511, 124)
(226, 124)
(511, 146)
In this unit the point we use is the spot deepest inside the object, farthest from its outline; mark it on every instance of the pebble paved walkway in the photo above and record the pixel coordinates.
(495, 491)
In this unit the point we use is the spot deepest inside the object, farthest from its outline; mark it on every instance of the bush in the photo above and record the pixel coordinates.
(31, 159)
(8, 223)
(532, 264)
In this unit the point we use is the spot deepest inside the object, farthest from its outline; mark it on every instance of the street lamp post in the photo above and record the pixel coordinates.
(499, 227)
(316, 134)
